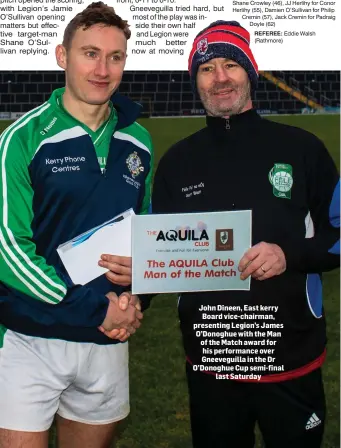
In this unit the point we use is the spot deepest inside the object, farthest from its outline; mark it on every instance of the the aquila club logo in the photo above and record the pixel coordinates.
(184, 233)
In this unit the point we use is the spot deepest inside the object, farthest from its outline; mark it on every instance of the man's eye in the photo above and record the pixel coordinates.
(116, 57)
(206, 69)
(91, 54)
(231, 65)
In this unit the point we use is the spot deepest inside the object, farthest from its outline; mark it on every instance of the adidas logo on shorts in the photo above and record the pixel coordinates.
(313, 421)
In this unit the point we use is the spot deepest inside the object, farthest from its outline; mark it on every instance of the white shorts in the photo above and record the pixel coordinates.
(39, 378)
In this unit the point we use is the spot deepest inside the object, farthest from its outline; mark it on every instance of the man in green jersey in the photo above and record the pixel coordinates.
(67, 166)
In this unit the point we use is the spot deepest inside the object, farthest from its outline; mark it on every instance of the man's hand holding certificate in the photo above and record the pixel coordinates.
(189, 252)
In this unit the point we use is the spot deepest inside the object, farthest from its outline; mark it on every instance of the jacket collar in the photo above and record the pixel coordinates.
(239, 123)
(127, 110)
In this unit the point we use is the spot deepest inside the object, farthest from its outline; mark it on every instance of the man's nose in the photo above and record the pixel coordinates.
(221, 74)
(101, 68)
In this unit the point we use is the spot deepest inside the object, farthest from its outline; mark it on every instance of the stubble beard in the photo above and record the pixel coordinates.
(212, 105)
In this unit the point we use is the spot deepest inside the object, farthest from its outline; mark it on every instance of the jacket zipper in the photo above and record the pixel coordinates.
(227, 123)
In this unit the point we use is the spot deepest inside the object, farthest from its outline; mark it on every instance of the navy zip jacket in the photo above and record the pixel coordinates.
(53, 189)
(289, 181)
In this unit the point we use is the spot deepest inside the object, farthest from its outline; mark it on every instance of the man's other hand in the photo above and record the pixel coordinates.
(262, 261)
(119, 269)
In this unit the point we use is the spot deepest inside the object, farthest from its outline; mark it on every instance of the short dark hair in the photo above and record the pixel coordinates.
(95, 13)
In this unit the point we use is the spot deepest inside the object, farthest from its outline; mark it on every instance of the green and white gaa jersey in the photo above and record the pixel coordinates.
(59, 179)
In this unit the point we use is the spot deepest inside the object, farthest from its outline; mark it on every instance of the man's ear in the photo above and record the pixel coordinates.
(61, 56)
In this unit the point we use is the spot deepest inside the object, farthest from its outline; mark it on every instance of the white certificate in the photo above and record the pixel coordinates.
(189, 252)
(80, 256)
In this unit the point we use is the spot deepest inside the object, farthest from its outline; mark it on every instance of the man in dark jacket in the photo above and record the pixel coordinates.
(271, 372)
